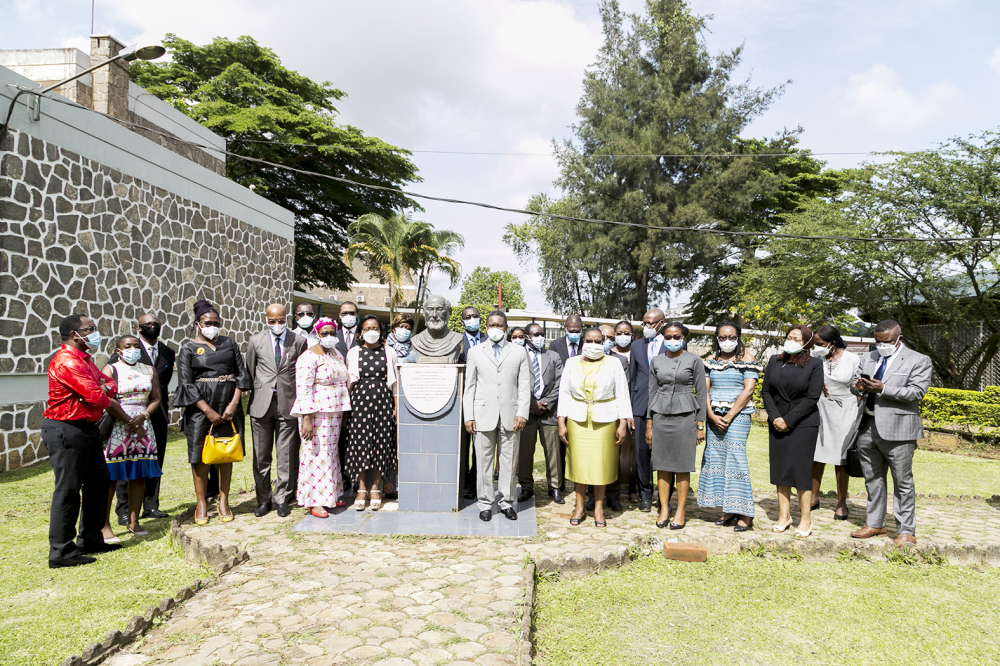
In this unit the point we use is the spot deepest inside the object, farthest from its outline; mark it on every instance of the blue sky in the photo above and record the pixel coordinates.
(505, 75)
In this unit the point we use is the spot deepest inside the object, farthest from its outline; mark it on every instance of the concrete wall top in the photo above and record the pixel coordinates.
(47, 64)
(152, 108)
(103, 140)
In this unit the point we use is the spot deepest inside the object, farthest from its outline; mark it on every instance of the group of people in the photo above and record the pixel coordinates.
(324, 402)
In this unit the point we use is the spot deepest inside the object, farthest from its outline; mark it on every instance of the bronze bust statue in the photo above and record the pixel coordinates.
(437, 343)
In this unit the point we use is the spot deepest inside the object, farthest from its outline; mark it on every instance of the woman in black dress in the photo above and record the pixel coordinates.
(793, 384)
(211, 378)
(371, 434)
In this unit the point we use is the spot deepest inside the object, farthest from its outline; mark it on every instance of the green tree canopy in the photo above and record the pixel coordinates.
(240, 90)
(479, 289)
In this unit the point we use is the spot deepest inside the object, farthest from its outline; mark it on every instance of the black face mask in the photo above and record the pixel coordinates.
(150, 331)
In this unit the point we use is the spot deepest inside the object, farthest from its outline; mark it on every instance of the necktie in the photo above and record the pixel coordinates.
(870, 400)
(152, 354)
(538, 375)
(572, 349)
(496, 351)
(348, 338)
(651, 352)
(277, 352)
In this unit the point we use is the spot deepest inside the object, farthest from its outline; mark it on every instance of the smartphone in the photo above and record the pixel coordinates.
(864, 376)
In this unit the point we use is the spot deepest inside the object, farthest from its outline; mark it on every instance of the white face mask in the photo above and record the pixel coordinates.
(210, 332)
(371, 336)
(329, 342)
(791, 347)
(349, 321)
(306, 322)
(623, 341)
(593, 350)
(495, 334)
(402, 334)
(648, 333)
(538, 342)
(728, 345)
(131, 355)
(277, 329)
(886, 349)
(821, 352)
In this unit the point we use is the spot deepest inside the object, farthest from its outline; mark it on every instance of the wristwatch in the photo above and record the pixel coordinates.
(701, 426)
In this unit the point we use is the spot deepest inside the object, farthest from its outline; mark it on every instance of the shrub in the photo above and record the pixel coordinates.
(960, 407)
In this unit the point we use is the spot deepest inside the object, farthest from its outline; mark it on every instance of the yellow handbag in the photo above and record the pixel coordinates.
(221, 450)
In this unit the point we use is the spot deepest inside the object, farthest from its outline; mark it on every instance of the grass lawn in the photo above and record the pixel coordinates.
(47, 614)
(743, 610)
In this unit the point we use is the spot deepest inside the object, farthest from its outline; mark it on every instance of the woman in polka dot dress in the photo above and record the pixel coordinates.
(371, 436)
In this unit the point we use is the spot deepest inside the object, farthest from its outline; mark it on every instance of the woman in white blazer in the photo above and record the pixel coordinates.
(594, 412)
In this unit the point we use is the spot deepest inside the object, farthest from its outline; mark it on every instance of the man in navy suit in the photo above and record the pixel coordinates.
(471, 337)
(642, 351)
(161, 357)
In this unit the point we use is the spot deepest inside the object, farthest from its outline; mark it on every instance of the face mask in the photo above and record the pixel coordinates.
(471, 325)
(93, 340)
(538, 342)
(371, 336)
(277, 329)
(306, 322)
(210, 332)
(150, 331)
(574, 337)
(821, 352)
(329, 342)
(495, 334)
(608, 346)
(593, 350)
(791, 347)
(886, 349)
(518, 341)
(402, 334)
(728, 345)
(623, 341)
(673, 345)
(131, 355)
(648, 333)
(349, 321)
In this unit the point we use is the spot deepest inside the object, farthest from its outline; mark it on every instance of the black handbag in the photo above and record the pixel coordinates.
(105, 425)
(852, 461)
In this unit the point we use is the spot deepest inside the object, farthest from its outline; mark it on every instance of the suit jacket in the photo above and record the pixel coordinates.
(610, 395)
(342, 344)
(266, 378)
(679, 392)
(551, 368)
(897, 408)
(495, 392)
(792, 393)
(164, 367)
(561, 347)
(463, 357)
(638, 376)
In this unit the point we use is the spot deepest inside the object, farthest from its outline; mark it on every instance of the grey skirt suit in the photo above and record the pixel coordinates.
(676, 403)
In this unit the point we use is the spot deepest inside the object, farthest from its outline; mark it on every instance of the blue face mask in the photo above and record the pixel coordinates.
(673, 345)
(471, 325)
(131, 355)
(93, 340)
(538, 342)
(608, 346)
(574, 337)
(623, 340)
(518, 341)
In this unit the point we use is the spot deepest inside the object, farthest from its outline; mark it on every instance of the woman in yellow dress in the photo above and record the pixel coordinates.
(594, 414)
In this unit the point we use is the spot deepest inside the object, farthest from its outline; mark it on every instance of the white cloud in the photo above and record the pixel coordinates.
(879, 98)
(995, 61)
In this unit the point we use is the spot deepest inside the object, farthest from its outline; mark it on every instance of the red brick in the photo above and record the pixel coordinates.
(685, 552)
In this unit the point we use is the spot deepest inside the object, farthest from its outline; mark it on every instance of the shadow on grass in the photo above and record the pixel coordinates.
(25, 473)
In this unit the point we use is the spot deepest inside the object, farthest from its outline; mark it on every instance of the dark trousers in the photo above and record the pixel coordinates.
(643, 464)
(151, 496)
(81, 487)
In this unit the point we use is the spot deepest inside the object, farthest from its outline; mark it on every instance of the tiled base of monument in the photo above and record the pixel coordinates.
(446, 523)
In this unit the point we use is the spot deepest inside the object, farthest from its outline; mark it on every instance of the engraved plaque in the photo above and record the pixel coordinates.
(428, 387)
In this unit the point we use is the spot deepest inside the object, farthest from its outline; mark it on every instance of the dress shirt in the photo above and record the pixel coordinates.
(885, 372)
(573, 348)
(627, 353)
(349, 336)
(535, 360)
(653, 347)
(472, 339)
(150, 349)
(275, 341)
(75, 392)
(309, 336)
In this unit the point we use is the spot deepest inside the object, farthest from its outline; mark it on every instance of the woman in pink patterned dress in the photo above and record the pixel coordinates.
(320, 402)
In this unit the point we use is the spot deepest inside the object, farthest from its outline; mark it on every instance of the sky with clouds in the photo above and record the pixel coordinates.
(504, 76)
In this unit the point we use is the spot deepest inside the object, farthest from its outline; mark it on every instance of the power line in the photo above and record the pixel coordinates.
(555, 216)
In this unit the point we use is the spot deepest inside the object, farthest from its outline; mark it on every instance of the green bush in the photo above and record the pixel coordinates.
(960, 407)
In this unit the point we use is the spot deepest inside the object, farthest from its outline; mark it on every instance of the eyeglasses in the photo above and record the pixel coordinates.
(299, 315)
(88, 330)
(326, 334)
(723, 338)
(468, 317)
(673, 337)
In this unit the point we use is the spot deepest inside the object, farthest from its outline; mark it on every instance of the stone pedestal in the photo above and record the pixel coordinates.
(430, 435)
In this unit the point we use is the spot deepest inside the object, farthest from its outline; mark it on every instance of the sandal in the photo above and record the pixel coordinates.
(139, 532)
(600, 523)
(576, 521)
(376, 501)
(361, 500)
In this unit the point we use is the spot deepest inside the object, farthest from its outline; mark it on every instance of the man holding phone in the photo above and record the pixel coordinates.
(893, 381)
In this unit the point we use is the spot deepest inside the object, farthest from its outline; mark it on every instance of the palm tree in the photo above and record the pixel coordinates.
(442, 245)
(389, 248)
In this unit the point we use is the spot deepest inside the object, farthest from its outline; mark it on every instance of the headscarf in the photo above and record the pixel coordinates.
(324, 321)
(402, 348)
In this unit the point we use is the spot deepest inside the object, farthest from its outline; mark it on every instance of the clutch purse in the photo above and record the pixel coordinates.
(221, 450)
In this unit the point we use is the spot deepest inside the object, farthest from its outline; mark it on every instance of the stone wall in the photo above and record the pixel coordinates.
(79, 236)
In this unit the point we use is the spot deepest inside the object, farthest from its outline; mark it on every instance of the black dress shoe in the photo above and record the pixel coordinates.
(556, 496)
(486, 516)
(509, 513)
(614, 504)
(75, 561)
(645, 505)
(262, 510)
(284, 510)
(100, 548)
(123, 519)
(525, 495)
(155, 513)
(470, 493)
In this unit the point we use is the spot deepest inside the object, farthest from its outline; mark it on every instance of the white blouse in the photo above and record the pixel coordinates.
(611, 396)
(354, 369)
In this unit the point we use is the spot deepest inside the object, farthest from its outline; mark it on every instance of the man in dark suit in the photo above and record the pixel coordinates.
(567, 346)
(161, 357)
(546, 373)
(270, 359)
(347, 332)
(471, 337)
(642, 351)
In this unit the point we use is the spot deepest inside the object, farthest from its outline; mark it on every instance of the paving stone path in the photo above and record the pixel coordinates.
(396, 601)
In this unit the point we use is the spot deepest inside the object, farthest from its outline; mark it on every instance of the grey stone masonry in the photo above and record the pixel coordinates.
(80, 237)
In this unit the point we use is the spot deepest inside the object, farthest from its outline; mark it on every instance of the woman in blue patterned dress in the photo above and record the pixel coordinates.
(725, 475)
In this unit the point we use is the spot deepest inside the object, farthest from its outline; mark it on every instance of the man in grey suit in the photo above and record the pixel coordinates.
(893, 380)
(496, 401)
(546, 373)
(270, 358)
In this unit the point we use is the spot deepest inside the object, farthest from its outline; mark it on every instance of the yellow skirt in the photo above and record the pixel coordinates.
(592, 455)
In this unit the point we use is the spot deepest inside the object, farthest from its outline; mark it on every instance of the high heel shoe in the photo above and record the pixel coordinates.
(744, 528)
(662, 523)
(815, 507)
(202, 522)
(803, 535)
(576, 521)
(781, 528)
(361, 500)
(726, 522)
(138, 533)
(675, 526)
(843, 517)
(600, 523)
